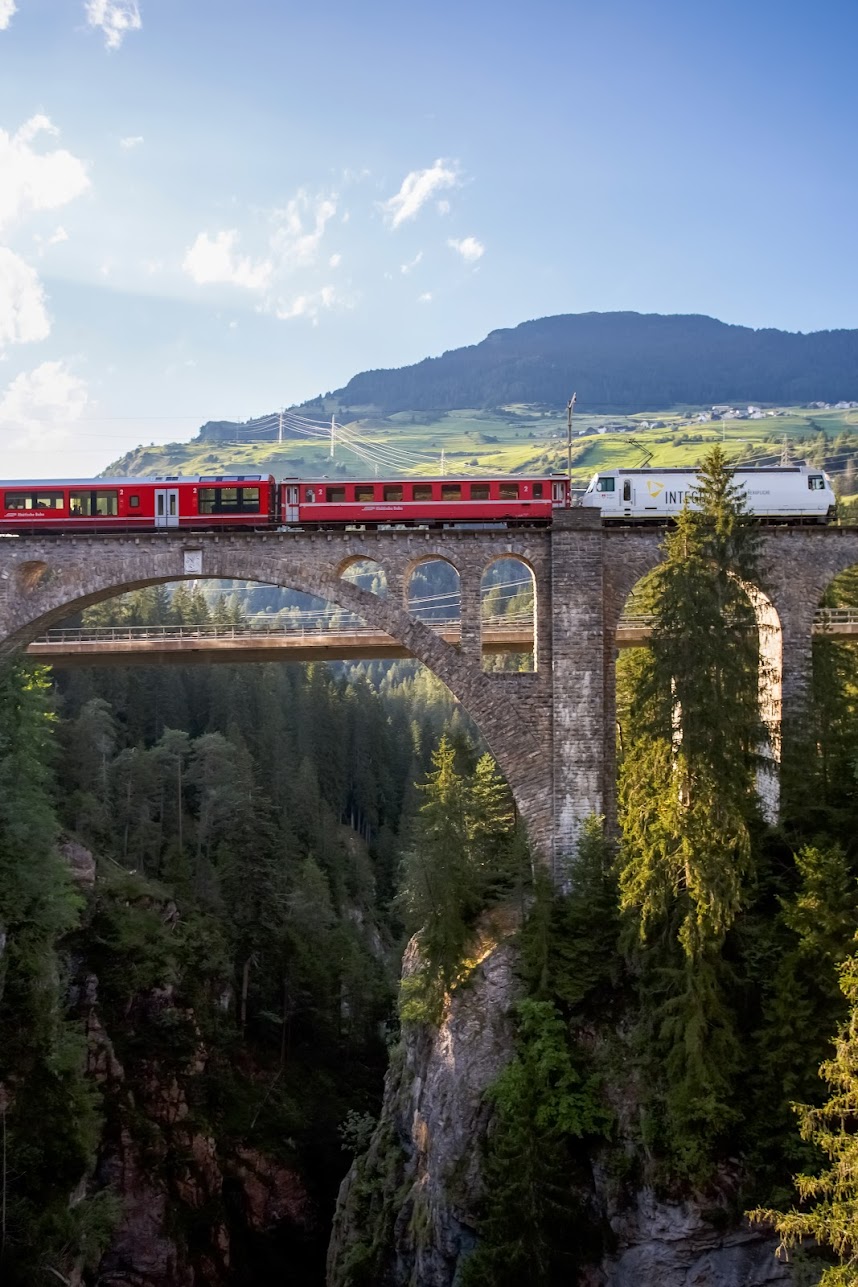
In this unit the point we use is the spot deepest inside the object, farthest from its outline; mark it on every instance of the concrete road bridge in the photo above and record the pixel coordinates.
(551, 730)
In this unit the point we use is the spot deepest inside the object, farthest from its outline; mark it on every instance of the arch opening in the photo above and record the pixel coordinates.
(433, 593)
(508, 616)
(366, 574)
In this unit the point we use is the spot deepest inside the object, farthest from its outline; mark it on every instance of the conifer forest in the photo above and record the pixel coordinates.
(244, 911)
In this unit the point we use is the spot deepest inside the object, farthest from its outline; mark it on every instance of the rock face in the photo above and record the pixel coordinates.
(406, 1210)
(671, 1244)
(405, 1213)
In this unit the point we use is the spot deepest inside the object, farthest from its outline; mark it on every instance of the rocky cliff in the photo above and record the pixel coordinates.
(407, 1214)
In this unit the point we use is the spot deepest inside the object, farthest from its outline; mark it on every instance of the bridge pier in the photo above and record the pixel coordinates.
(578, 706)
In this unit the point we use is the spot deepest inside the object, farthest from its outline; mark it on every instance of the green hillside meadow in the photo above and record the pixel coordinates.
(516, 439)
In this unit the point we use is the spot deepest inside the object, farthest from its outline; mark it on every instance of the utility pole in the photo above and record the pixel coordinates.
(280, 426)
(785, 451)
(333, 434)
(570, 407)
(443, 466)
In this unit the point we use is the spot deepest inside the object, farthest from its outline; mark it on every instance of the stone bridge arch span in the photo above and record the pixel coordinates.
(514, 717)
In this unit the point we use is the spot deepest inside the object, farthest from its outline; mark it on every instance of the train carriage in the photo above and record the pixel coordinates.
(795, 493)
(130, 504)
(420, 501)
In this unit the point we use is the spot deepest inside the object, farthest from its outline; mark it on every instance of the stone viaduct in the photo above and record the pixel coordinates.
(552, 731)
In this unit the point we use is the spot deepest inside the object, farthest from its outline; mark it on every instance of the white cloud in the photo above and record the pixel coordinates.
(30, 180)
(412, 263)
(417, 188)
(300, 228)
(43, 402)
(115, 18)
(425, 298)
(443, 207)
(23, 318)
(468, 247)
(335, 261)
(211, 260)
(7, 8)
(131, 141)
(59, 234)
(307, 305)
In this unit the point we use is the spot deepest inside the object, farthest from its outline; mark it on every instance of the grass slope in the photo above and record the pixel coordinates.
(514, 439)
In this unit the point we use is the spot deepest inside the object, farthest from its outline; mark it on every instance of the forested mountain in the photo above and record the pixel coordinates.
(620, 362)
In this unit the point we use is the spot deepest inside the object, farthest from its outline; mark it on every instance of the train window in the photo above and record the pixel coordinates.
(393, 493)
(364, 494)
(627, 489)
(422, 491)
(479, 491)
(227, 498)
(451, 491)
(816, 483)
(79, 504)
(335, 495)
(537, 491)
(606, 485)
(508, 491)
(206, 500)
(105, 504)
(133, 502)
(18, 500)
(49, 500)
(249, 499)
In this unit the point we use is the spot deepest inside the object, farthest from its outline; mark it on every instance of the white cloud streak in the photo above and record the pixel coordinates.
(115, 18)
(307, 305)
(7, 9)
(23, 316)
(132, 141)
(286, 275)
(468, 247)
(215, 259)
(43, 403)
(299, 229)
(405, 269)
(32, 181)
(417, 188)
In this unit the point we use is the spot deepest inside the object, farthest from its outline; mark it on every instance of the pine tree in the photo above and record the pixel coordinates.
(687, 792)
(832, 1220)
(440, 888)
(687, 777)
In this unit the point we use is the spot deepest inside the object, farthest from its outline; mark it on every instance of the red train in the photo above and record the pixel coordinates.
(258, 501)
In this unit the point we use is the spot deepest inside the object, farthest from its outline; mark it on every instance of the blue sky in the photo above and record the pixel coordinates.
(211, 209)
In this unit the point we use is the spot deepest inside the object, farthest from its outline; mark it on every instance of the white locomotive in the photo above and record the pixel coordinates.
(787, 492)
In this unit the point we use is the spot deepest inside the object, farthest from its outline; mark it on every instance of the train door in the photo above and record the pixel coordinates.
(558, 495)
(627, 496)
(291, 508)
(166, 507)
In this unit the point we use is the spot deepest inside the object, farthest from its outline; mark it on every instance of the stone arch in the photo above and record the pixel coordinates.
(84, 573)
(507, 602)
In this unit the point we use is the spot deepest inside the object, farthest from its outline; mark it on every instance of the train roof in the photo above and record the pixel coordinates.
(738, 469)
(136, 480)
